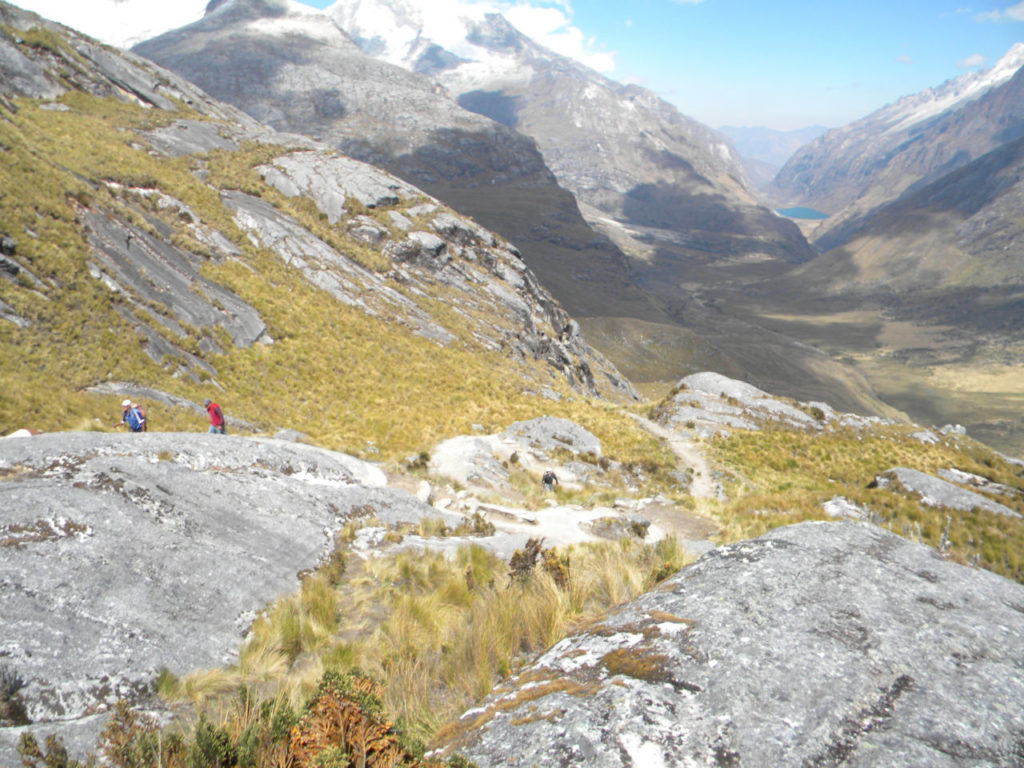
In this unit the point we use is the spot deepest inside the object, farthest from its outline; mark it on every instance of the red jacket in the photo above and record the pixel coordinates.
(216, 417)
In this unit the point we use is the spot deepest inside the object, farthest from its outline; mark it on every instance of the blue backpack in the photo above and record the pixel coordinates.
(133, 419)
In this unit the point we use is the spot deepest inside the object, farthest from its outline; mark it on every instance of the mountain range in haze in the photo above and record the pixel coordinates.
(764, 151)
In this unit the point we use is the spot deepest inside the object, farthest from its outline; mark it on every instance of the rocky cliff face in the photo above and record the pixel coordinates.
(298, 71)
(818, 644)
(850, 171)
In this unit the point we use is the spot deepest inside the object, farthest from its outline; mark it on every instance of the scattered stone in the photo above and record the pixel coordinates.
(844, 508)
(548, 433)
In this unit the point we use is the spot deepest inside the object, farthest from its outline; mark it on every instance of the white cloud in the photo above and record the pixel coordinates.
(1013, 13)
(552, 27)
(972, 62)
(118, 22)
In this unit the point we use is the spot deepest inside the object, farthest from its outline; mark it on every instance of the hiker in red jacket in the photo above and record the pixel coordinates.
(216, 417)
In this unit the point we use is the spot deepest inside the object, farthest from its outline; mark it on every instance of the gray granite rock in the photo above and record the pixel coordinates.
(133, 261)
(124, 553)
(548, 433)
(331, 179)
(711, 403)
(934, 492)
(820, 644)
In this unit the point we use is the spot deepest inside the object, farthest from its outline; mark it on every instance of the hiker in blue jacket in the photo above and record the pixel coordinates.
(131, 416)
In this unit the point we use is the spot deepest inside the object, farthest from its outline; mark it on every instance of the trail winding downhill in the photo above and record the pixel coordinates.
(702, 487)
(698, 524)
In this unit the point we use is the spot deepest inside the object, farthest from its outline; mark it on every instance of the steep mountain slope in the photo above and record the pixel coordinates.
(852, 170)
(959, 235)
(278, 62)
(927, 295)
(295, 70)
(621, 150)
(172, 243)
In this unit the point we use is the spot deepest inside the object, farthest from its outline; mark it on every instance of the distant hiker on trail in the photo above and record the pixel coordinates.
(549, 480)
(216, 417)
(133, 416)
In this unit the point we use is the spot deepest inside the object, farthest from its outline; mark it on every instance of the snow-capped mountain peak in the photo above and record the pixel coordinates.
(399, 31)
(952, 94)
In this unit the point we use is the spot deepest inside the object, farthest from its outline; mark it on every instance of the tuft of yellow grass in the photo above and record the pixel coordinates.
(438, 632)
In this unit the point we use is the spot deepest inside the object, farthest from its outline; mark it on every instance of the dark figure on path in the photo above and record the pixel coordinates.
(549, 480)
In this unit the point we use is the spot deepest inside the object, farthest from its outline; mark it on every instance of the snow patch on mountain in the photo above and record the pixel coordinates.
(952, 94)
(397, 31)
(494, 71)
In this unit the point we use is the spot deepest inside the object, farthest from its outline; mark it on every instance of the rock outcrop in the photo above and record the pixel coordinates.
(153, 247)
(709, 403)
(816, 644)
(936, 492)
(125, 554)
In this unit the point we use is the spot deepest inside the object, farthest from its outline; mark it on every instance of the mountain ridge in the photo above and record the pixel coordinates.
(852, 170)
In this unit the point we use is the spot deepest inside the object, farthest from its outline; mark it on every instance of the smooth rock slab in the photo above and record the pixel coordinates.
(124, 553)
(934, 492)
(819, 644)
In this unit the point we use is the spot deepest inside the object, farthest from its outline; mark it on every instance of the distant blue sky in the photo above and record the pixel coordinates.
(783, 64)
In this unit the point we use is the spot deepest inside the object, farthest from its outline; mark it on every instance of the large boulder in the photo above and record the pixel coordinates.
(123, 554)
(819, 644)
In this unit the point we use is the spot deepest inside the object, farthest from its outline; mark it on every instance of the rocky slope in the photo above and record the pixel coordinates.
(158, 229)
(296, 70)
(171, 544)
(853, 170)
(805, 644)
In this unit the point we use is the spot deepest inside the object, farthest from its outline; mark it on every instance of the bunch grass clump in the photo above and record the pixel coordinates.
(437, 632)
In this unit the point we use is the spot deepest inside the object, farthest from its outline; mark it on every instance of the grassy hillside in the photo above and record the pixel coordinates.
(779, 477)
(349, 380)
